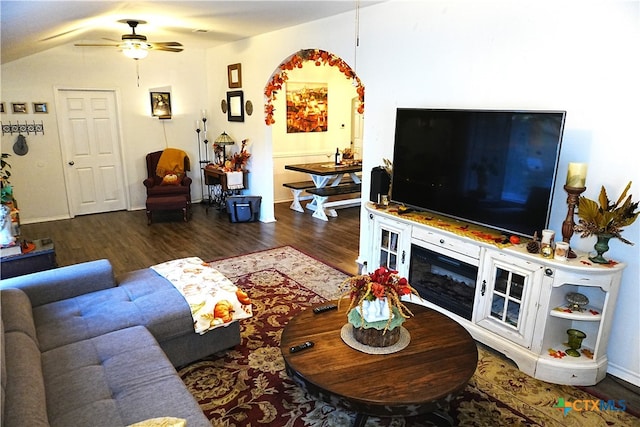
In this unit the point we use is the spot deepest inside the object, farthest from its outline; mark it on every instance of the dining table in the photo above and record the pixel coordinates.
(330, 174)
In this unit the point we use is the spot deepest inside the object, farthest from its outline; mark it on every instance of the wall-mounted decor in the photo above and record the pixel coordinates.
(235, 106)
(2, 110)
(234, 74)
(40, 107)
(25, 127)
(307, 107)
(223, 106)
(248, 107)
(161, 105)
(297, 60)
(19, 107)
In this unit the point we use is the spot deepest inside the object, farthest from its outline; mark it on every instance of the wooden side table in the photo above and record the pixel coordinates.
(42, 257)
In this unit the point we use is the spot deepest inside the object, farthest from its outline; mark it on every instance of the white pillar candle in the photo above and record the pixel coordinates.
(577, 175)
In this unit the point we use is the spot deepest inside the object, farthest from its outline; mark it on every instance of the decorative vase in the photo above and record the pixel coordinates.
(601, 246)
(575, 341)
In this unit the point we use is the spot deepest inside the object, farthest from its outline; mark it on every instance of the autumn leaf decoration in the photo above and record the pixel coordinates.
(319, 57)
(605, 217)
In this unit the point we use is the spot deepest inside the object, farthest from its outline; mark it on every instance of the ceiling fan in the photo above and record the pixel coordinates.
(136, 46)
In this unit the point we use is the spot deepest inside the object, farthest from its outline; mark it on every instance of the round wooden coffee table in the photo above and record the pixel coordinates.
(422, 378)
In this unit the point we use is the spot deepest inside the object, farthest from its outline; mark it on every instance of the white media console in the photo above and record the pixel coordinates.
(507, 298)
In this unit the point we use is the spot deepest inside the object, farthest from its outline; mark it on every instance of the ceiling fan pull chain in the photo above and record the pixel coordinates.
(138, 73)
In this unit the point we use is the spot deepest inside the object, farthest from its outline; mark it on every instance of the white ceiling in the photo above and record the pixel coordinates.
(29, 27)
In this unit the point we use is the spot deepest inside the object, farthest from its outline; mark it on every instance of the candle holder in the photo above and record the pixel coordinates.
(203, 158)
(568, 223)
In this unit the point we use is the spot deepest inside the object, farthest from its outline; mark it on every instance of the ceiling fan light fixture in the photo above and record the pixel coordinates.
(135, 50)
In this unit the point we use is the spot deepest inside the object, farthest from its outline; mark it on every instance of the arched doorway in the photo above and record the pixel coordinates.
(345, 94)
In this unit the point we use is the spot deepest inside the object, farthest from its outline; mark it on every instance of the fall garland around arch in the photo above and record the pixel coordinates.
(319, 57)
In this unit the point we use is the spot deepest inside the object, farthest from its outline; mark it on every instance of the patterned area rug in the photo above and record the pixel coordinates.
(247, 385)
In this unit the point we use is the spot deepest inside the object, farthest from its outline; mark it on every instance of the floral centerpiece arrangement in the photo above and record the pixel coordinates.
(239, 160)
(605, 219)
(375, 304)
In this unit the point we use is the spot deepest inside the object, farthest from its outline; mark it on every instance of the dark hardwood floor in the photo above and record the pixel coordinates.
(125, 239)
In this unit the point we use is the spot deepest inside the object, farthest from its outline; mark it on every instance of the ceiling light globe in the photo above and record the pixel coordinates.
(135, 50)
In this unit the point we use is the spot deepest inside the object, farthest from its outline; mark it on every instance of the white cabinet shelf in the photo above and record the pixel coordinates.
(507, 298)
(588, 313)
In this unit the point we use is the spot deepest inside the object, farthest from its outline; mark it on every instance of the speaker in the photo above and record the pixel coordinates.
(380, 182)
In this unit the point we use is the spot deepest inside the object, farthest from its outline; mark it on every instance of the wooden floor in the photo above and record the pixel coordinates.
(125, 239)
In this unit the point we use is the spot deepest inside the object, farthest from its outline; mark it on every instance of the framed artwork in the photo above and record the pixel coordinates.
(307, 107)
(161, 105)
(235, 106)
(2, 110)
(19, 107)
(40, 107)
(234, 75)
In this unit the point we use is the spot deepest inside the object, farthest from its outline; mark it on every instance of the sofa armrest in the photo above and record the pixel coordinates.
(65, 282)
(148, 182)
(186, 181)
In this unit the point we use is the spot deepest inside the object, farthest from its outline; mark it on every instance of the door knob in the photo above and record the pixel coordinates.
(71, 163)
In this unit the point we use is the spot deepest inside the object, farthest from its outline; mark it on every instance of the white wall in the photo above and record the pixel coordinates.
(581, 57)
(38, 178)
(574, 56)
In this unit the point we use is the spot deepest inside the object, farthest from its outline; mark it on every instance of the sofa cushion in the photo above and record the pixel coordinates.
(23, 395)
(62, 283)
(25, 401)
(141, 298)
(16, 312)
(118, 378)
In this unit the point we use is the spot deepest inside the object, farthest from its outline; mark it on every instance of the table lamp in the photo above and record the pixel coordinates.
(223, 140)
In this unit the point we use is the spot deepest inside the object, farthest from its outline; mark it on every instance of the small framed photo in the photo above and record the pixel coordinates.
(234, 75)
(161, 105)
(2, 110)
(19, 107)
(40, 107)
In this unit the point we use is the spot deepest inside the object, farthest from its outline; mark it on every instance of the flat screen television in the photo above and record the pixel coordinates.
(492, 168)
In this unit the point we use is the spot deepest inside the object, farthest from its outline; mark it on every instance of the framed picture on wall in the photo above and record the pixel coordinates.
(234, 75)
(307, 107)
(161, 105)
(19, 107)
(235, 106)
(40, 107)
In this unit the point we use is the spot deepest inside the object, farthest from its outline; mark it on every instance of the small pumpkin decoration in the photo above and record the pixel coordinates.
(224, 311)
(170, 179)
(243, 297)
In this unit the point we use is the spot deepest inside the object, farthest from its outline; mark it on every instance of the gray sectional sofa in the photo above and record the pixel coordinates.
(80, 347)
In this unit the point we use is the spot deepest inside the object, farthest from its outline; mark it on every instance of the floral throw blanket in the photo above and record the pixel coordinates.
(214, 300)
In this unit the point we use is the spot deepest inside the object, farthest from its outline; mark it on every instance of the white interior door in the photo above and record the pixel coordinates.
(91, 151)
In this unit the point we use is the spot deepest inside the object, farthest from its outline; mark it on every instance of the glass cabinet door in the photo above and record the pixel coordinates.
(389, 249)
(506, 303)
(391, 246)
(507, 297)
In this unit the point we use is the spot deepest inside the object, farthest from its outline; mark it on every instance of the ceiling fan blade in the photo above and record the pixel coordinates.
(166, 43)
(95, 44)
(167, 49)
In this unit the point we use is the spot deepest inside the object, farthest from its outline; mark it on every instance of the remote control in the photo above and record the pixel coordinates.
(324, 308)
(300, 347)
